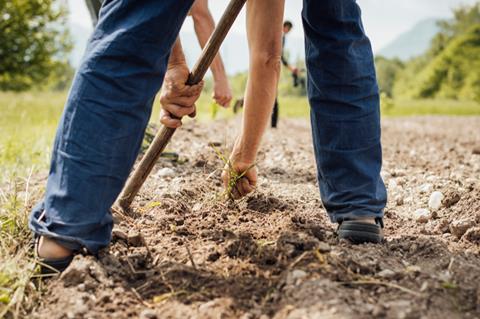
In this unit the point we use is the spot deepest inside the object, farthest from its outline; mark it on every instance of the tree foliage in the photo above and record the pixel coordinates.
(387, 70)
(449, 69)
(33, 42)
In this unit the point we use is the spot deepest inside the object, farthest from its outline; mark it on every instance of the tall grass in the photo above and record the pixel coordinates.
(17, 265)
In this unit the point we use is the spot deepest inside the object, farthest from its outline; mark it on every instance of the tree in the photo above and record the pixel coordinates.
(387, 70)
(450, 69)
(33, 42)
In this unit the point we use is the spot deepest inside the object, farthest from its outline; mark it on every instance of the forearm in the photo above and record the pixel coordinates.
(177, 56)
(264, 28)
(204, 26)
(259, 100)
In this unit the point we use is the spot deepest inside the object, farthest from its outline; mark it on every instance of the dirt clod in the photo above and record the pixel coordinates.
(135, 238)
(460, 227)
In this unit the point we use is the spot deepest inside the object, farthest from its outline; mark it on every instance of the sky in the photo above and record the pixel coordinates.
(383, 19)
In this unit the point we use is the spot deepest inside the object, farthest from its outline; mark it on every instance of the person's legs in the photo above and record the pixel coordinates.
(275, 114)
(104, 119)
(345, 116)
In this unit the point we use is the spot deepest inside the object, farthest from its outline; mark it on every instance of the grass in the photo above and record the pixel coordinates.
(27, 129)
(17, 266)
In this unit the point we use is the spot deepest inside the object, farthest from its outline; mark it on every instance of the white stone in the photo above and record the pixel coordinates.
(298, 274)
(422, 215)
(392, 185)
(425, 188)
(435, 201)
(386, 273)
(165, 172)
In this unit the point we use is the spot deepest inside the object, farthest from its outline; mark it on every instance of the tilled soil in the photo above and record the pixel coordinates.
(190, 254)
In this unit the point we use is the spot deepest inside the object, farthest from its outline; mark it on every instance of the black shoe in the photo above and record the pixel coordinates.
(51, 266)
(359, 232)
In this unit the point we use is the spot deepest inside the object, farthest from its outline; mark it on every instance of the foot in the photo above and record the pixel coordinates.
(53, 258)
(50, 249)
(359, 231)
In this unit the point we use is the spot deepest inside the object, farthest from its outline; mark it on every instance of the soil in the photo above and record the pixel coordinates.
(188, 253)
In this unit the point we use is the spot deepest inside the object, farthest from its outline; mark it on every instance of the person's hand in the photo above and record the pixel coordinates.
(294, 70)
(240, 175)
(177, 98)
(238, 187)
(222, 93)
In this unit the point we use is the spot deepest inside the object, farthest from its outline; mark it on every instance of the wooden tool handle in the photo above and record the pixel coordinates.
(162, 138)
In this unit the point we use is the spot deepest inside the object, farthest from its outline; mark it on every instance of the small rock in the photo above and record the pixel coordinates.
(425, 188)
(399, 200)
(473, 235)
(165, 172)
(387, 274)
(295, 275)
(435, 201)
(298, 274)
(460, 227)
(119, 234)
(323, 247)
(392, 185)
(135, 239)
(213, 256)
(422, 215)
(451, 199)
(148, 314)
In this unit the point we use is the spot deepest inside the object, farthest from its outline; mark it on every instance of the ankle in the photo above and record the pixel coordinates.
(49, 248)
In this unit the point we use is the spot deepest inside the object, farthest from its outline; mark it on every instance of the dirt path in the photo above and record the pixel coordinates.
(275, 254)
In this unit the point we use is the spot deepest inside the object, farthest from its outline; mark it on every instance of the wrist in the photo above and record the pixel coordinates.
(243, 151)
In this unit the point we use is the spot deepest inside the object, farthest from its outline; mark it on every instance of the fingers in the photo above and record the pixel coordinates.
(241, 189)
(169, 121)
(178, 110)
(223, 101)
(178, 100)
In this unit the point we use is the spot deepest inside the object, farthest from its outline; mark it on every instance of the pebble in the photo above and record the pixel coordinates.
(323, 247)
(399, 200)
(392, 185)
(135, 239)
(294, 276)
(425, 188)
(119, 234)
(386, 273)
(148, 314)
(473, 235)
(165, 172)
(460, 227)
(298, 274)
(422, 215)
(435, 201)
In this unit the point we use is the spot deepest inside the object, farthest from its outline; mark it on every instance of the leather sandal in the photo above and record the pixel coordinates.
(51, 266)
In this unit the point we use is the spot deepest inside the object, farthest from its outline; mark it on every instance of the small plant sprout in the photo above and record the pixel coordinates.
(234, 176)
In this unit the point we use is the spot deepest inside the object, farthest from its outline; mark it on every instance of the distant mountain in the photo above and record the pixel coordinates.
(412, 43)
(234, 50)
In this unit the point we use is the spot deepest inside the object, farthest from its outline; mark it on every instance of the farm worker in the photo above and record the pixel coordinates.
(204, 25)
(134, 49)
(287, 27)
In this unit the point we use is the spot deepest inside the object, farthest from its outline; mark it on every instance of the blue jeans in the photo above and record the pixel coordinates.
(110, 102)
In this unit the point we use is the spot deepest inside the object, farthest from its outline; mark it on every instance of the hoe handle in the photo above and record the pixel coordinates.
(162, 138)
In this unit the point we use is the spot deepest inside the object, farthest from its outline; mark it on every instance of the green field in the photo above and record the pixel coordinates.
(29, 120)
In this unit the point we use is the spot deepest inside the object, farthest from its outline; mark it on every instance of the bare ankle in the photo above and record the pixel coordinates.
(49, 248)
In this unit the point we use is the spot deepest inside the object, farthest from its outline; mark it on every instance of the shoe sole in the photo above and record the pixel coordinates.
(360, 233)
